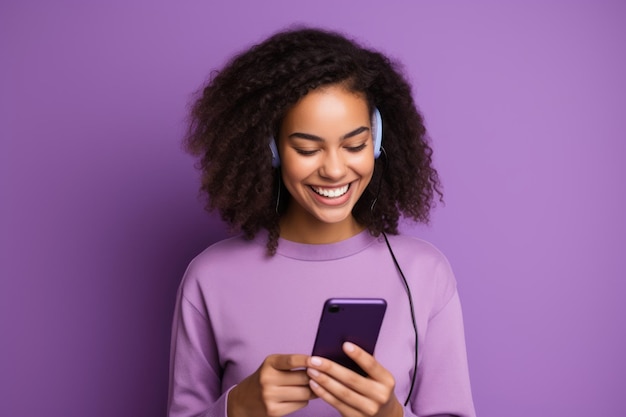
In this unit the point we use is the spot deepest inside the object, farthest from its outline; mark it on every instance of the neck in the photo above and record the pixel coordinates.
(304, 229)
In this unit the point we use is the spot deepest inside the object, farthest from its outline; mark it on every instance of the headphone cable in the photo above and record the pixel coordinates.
(404, 281)
(414, 322)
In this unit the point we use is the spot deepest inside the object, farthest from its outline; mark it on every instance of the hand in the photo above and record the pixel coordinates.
(274, 390)
(350, 393)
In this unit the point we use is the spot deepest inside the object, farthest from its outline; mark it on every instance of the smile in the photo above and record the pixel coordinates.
(331, 192)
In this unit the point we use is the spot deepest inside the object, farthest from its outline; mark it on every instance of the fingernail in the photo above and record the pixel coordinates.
(348, 347)
(312, 372)
(313, 384)
(316, 361)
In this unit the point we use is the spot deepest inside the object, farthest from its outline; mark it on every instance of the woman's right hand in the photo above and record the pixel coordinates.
(280, 386)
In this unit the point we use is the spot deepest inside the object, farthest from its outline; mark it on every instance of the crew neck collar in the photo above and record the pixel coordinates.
(320, 252)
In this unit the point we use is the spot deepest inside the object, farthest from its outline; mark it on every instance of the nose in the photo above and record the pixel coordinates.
(333, 166)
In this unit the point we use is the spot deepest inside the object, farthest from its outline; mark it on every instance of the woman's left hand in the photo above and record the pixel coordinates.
(350, 393)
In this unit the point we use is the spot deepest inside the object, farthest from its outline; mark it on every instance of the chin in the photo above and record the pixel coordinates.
(334, 218)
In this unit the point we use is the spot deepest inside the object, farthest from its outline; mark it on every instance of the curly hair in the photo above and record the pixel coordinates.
(241, 108)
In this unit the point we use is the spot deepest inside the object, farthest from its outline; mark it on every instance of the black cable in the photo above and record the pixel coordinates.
(408, 292)
(404, 281)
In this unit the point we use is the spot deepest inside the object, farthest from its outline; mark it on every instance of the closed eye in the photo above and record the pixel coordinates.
(356, 148)
(305, 152)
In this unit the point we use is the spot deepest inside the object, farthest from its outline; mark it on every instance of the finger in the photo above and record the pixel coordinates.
(368, 363)
(343, 384)
(378, 387)
(270, 377)
(370, 401)
(284, 408)
(290, 394)
(292, 378)
(288, 362)
(340, 373)
(344, 400)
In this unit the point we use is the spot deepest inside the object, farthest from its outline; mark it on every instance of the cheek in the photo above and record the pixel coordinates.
(365, 167)
(293, 177)
(297, 169)
(291, 174)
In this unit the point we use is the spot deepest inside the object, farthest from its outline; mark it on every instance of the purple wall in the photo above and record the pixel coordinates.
(99, 213)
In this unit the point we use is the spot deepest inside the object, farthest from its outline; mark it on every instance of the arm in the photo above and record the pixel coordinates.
(275, 389)
(195, 383)
(443, 384)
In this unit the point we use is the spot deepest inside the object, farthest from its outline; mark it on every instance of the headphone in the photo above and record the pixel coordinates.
(377, 134)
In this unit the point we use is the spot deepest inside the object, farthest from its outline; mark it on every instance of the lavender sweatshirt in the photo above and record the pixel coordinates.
(236, 305)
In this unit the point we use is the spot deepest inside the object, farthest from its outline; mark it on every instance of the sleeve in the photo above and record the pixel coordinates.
(443, 384)
(195, 377)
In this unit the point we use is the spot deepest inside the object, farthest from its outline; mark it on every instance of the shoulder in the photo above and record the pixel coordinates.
(235, 247)
(417, 249)
(425, 267)
(224, 259)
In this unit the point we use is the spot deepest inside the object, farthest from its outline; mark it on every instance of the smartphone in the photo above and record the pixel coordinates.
(355, 320)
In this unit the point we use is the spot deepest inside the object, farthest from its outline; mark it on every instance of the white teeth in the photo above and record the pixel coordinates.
(332, 192)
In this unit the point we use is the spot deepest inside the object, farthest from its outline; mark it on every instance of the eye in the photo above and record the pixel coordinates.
(305, 152)
(357, 148)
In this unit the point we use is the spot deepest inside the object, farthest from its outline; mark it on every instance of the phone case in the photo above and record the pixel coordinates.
(355, 320)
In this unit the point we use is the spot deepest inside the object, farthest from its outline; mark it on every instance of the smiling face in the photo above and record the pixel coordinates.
(327, 161)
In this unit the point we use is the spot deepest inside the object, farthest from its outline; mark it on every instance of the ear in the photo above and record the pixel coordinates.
(377, 132)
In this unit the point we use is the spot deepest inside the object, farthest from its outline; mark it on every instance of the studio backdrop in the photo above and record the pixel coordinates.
(99, 209)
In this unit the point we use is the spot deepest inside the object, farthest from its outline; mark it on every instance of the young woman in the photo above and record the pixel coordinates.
(289, 135)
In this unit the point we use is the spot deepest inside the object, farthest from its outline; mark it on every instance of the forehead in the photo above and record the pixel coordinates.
(327, 107)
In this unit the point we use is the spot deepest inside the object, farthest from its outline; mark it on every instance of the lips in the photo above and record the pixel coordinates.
(331, 192)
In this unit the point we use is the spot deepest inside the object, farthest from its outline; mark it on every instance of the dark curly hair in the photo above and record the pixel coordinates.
(242, 106)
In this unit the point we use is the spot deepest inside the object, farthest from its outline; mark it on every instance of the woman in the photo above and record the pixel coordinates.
(289, 139)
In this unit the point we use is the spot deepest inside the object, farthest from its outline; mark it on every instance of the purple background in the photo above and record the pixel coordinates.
(99, 210)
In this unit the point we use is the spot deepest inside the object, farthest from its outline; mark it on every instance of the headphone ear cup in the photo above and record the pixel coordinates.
(377, 131)
(274, 150)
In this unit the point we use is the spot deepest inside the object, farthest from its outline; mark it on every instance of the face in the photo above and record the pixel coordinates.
(327, 157)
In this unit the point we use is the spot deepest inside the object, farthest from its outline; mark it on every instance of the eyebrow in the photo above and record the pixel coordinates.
(308, 136)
